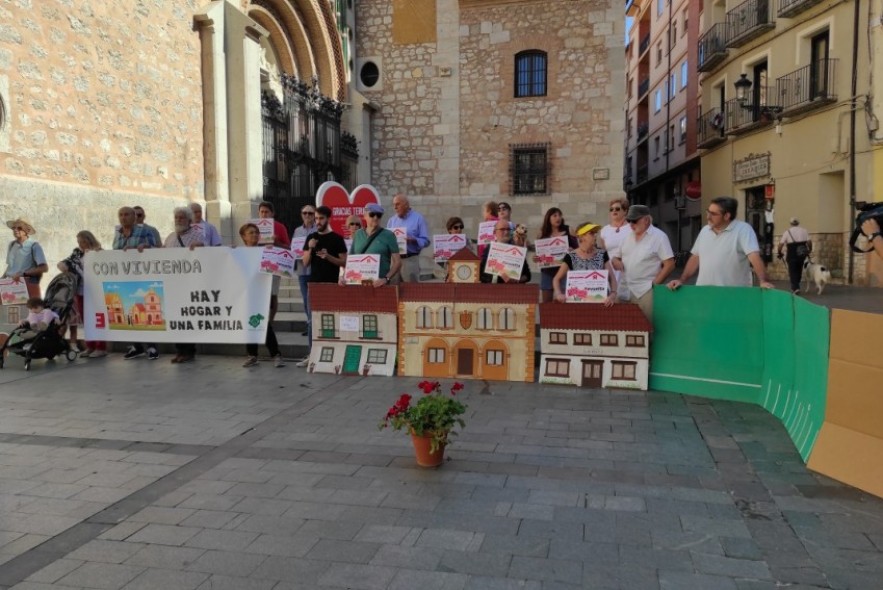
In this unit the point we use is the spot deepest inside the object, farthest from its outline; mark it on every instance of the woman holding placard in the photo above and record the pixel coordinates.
(585, 257)
(553, 227)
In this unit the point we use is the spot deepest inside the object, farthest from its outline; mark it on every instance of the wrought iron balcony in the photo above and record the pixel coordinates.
(645, 43)
(808, 88)
(743, 116)
(713, 47)
(747, 21)
(643, 87)
(643, 173)
(711, 128)
(643, 131)
(790, 8)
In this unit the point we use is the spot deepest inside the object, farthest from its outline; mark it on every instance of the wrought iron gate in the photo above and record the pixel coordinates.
(303, 147)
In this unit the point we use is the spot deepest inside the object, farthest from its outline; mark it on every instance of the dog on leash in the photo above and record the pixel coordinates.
(816, 273)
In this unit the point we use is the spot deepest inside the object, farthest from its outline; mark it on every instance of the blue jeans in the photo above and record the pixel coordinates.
(304, 281)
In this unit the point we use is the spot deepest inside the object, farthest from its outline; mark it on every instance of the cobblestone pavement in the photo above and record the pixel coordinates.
(141, 475)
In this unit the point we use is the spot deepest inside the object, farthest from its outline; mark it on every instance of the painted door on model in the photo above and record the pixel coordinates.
(351, 358)
(592, 373)
(464, 361)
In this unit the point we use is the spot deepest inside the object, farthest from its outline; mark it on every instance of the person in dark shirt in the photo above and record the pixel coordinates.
(324, 250)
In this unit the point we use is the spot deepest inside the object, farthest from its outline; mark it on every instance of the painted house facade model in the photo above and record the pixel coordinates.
(354, 329)
(467, 331)
(589, 345)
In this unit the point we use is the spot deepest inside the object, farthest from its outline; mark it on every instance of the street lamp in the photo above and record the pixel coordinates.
(743, 85)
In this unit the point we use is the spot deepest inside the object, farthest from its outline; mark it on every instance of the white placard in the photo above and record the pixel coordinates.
(446, 245)
(587, 286)
(361, 267)
(177, 295)
(277, 261)
(402, 238)
(13, 292)
(551, 251)
(505, 260)
(266, 227)
(349, 323)
(297, 246)
(486, 232)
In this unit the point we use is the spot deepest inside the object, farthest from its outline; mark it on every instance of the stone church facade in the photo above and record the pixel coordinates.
(158, 103)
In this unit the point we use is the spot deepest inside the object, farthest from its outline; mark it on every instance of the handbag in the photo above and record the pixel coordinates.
(799, 249)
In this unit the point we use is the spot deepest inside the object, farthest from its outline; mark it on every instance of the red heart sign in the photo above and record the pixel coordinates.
(343, 204)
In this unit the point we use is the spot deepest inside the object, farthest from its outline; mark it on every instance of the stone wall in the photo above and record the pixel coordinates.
(103, 107)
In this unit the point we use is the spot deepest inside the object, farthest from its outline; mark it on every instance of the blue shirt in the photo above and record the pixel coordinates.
(415, 225)
(24, 256)
(140, 236)
(210, 234)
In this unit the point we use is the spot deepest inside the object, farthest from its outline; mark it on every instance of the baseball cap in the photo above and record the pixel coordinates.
(637, 212)
(374, 208)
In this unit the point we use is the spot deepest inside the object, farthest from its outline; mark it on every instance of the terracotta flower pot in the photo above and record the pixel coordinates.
(425, 457)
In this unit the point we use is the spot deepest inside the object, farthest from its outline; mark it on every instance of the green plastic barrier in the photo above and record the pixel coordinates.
(747, 345)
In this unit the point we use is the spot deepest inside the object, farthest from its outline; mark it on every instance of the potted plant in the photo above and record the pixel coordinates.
(430, 421)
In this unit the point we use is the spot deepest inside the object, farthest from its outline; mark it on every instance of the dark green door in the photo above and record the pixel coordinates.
(351, 359)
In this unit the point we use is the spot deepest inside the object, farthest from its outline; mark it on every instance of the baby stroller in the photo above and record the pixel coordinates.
(48, 343)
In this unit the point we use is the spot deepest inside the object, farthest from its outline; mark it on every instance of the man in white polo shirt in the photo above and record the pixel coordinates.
(725, 251)
(647, 259)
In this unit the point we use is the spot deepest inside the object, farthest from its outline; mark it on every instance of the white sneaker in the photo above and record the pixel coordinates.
(251, 361)
(303, 362)
(278, 362)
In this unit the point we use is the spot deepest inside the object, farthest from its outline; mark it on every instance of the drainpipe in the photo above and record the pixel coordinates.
(852, 119)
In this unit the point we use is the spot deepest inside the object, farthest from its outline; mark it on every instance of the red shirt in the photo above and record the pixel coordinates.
(282, 239)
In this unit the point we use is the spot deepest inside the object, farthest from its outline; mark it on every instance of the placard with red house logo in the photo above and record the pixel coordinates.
(551, 251)
(505, 260)
(277, 261)
(361, 268)
(446, 245)
(13, 292)
(587, 286)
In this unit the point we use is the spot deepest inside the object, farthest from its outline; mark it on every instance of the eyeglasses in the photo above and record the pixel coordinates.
(354, 224)
(612, 209)
(18, 228)
(374, 214)
(307, 212)
(714, 213)
(502, 229)
(456, 227)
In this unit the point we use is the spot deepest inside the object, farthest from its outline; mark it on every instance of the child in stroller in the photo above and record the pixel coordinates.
(41, 335)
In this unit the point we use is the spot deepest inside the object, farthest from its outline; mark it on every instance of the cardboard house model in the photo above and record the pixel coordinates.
(354, 329)
(467, 331)
(589, 345)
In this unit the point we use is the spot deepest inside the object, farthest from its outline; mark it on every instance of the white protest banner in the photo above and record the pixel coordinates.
(505, 260)
(266, 227)
(486, 232)
(277, 261)
(586, 286)
(297, 246)
(361, 267)
(446, 245)
(13, 292)
(176, 295)
(551, 251)
(402, 238)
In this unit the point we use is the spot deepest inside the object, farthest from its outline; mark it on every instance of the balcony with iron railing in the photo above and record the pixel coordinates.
(790, 8)
(643, 173)
(644, 44)
(643, 131)
(713, 47)
(748, 21)
(711, 128)
(742, 116)
(807, 88)
(643, 88)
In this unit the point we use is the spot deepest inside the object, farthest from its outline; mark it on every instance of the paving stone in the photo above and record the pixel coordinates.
(446, 539)
(55, 570)
(105, 576)
(727, 566)
(105, 551)
(488, 583)
(164, 556)
(227, 563)
(378, 533)
(222, 540)
(669, 580)
(164, 534)
(152, 579)
(409, 579)
(209, 519)
(292, 546)
(552, 570)
(418, 558)
(161, 515)
(217, 582)
(474, 563)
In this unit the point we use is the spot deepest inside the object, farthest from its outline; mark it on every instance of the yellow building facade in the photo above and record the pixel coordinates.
(788, 123)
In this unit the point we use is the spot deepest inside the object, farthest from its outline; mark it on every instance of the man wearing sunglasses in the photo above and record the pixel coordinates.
(416, 239)
(373, 239)
(647, 258)
(24, 256)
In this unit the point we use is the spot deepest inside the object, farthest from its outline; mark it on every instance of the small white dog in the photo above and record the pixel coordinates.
(816, 273)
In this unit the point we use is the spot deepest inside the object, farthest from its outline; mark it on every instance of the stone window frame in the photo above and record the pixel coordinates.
(552, 47)
(533, 60)
(532, 172)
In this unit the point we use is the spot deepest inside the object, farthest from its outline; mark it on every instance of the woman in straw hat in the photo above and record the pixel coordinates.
(24, 256)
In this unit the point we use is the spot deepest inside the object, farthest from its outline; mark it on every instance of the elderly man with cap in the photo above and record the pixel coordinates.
(725, 251)
(798, 246)
(646, 257)
(373, 239)
(24, 256)
(210, 235)
(416, 237)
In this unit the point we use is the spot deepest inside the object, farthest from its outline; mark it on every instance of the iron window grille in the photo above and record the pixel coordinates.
(530, 169)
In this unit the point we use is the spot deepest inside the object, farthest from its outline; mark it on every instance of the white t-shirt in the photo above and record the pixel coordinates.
(642, 259)
(613, 237)
(723, 257)
(795, 233)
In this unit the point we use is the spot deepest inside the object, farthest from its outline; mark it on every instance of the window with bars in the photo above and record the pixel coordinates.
(529, 168)
(531, 69)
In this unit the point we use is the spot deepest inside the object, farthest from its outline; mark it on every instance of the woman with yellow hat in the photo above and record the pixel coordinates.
(587, 256)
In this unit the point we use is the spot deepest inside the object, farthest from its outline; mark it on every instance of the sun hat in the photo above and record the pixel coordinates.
(22, 222)
(586, 228)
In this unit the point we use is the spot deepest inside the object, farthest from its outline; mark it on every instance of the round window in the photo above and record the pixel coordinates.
(370, 74)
